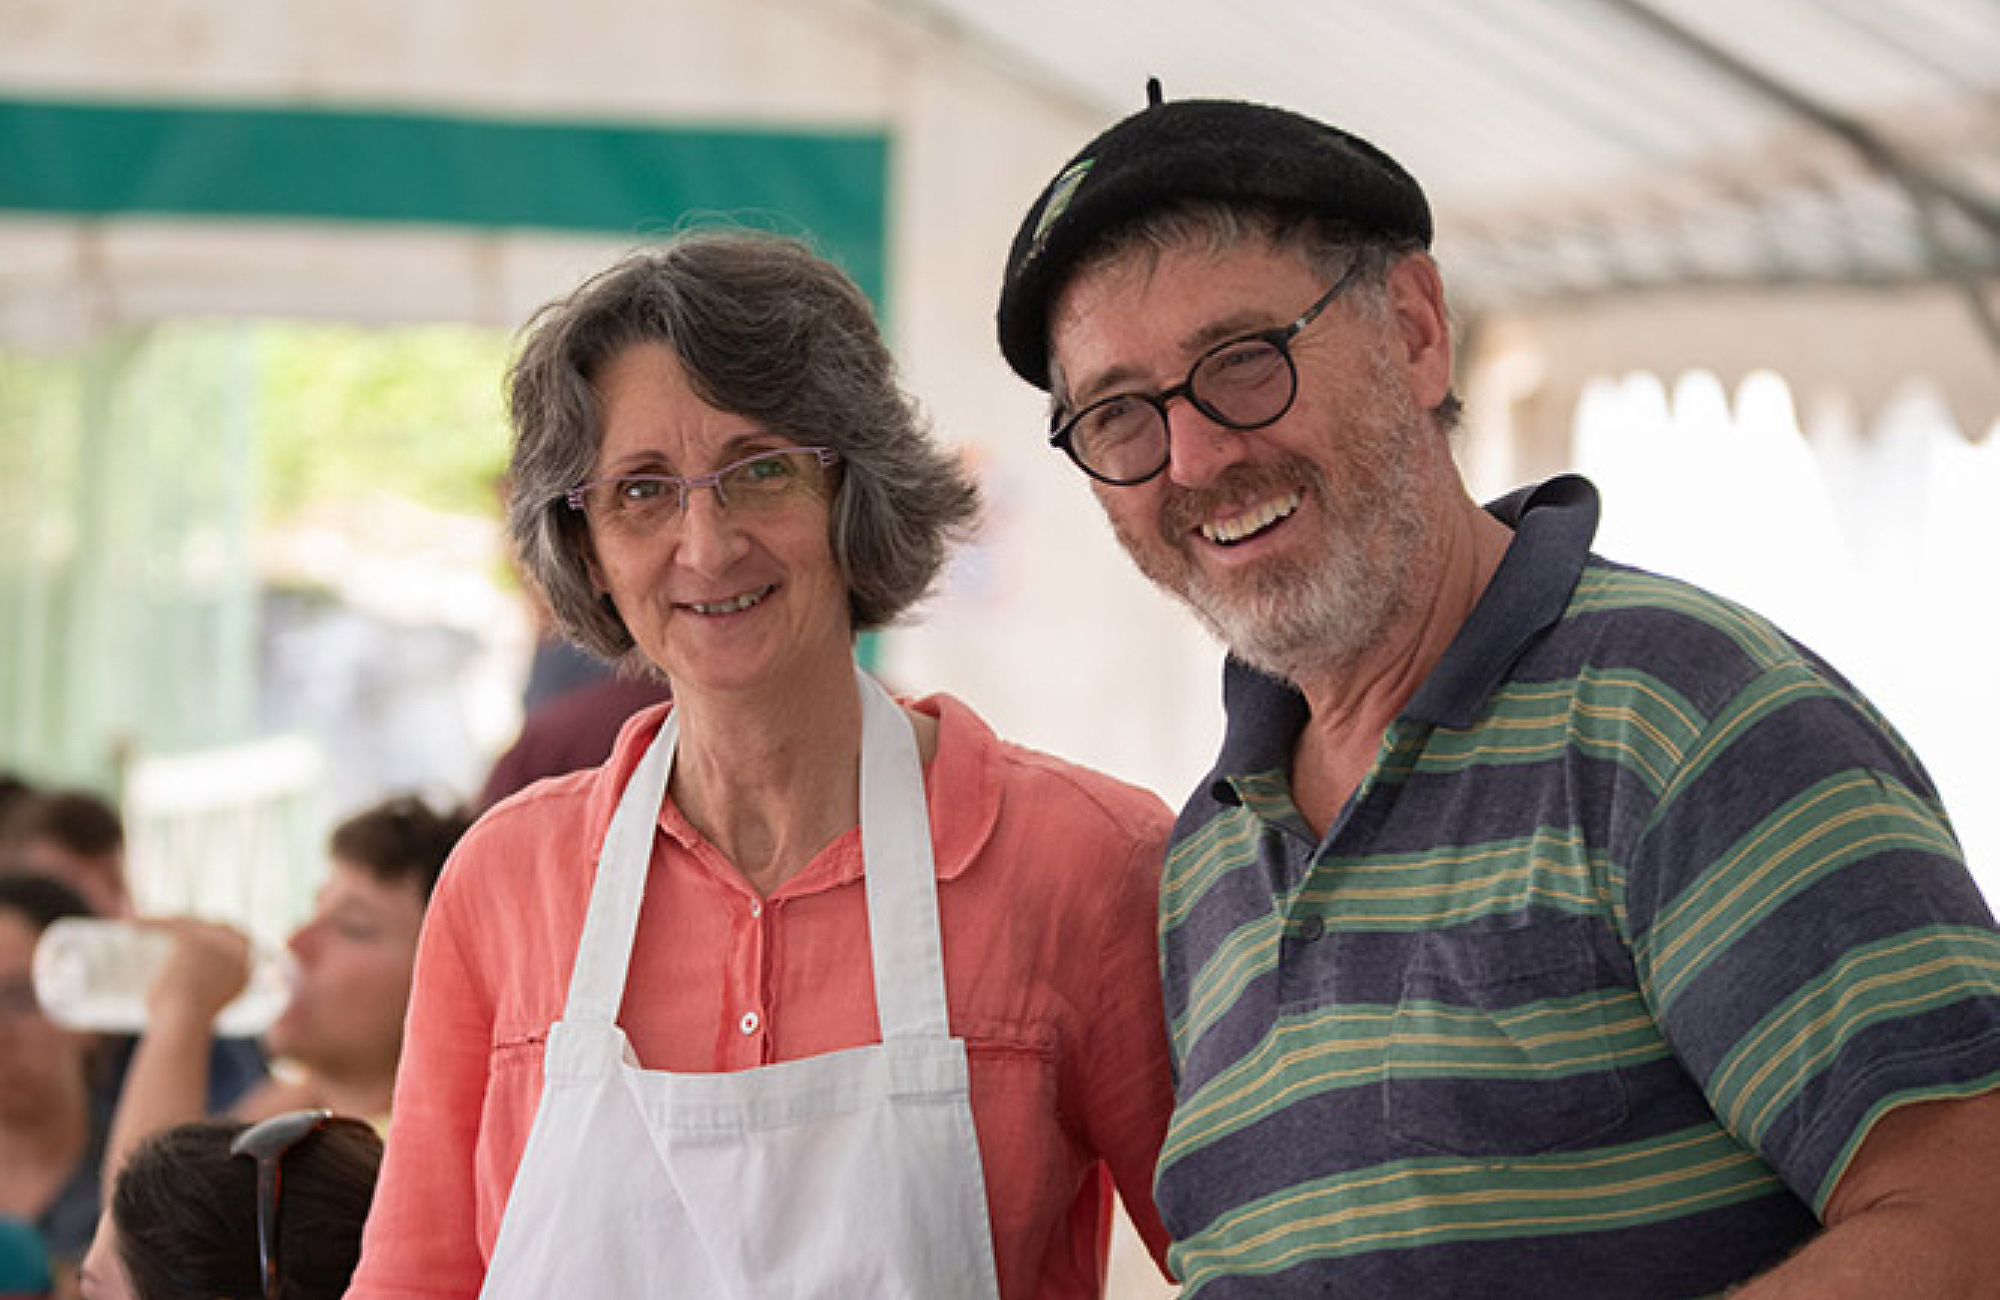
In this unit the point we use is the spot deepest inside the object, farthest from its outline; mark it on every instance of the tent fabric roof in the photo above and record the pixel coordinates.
(1582, 148)
(1585, 158)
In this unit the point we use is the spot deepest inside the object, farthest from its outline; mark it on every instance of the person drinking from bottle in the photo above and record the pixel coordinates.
(337, 1040)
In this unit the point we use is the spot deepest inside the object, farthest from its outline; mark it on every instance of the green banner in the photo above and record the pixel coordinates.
(279, 163)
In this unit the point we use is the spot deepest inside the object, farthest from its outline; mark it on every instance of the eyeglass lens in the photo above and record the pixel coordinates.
(647, 500)
(1245, 384)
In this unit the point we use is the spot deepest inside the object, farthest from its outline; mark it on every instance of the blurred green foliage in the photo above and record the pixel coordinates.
(416, 412)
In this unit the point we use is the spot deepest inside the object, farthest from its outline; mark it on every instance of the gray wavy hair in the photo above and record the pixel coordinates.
(766, 329)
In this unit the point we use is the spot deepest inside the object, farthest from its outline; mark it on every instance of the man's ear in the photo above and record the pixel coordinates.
(1416, 299)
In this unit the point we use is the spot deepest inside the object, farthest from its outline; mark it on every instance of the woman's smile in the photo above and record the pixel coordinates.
(733, 605)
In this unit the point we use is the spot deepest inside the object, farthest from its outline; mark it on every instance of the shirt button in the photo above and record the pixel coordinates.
(756, 907)
(749, 1022)
(1312, 928)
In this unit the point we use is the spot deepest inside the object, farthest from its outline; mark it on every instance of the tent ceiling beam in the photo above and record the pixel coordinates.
(1927, 190)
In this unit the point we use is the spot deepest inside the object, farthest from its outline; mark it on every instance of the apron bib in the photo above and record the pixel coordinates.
(853, 1174)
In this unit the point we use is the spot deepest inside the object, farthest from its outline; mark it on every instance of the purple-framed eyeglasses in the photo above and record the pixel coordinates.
(754, 482)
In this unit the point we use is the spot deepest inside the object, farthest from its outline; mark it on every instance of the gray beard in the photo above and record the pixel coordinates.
(1324, 612)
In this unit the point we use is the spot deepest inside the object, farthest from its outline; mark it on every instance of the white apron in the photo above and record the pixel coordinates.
(854, 1174)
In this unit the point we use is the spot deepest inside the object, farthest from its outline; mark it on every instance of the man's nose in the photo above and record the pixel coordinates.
(1198, 448)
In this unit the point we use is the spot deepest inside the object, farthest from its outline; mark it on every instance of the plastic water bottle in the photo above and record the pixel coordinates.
(92, 973)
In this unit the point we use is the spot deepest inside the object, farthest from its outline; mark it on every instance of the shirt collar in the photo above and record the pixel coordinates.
(1553, 524)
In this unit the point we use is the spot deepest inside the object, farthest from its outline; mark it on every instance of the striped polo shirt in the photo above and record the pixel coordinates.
(1639, 920)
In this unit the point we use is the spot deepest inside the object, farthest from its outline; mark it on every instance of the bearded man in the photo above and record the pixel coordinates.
(1545, 928)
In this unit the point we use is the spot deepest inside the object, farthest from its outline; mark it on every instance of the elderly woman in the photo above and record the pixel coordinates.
(807, 991)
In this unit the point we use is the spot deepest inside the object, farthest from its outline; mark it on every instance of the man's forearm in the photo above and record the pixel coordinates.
(1894, 1250)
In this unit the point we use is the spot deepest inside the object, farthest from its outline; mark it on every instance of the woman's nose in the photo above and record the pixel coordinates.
(710, 535)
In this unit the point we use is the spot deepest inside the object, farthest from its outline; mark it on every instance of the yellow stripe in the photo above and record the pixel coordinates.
(1745, 920)
(1886, 1010)
(1192, 1121)
(1650, 1209)
(1590, 682)
(1224, 983)
(1474, 907)
(1753, 1048)
(1444, 858)
(1600, 1219)
(1686, 932)
(1723, 615)
(1540, 866)
(1765, 704)
(1189, 881)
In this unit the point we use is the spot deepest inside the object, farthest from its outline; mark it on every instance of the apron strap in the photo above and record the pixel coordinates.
(899, 872)
(597, 982)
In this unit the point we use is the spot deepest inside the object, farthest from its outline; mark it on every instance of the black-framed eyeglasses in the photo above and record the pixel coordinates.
(641, 501)
(267, 1142)
(1244, 383)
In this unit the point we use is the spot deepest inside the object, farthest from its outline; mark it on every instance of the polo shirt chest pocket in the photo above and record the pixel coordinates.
(1506, 1041)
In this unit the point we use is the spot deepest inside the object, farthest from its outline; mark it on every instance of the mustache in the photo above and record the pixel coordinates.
(1185, 509)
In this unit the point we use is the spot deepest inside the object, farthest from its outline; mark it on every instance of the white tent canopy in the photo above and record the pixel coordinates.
(1801, 185)
(1578, 152)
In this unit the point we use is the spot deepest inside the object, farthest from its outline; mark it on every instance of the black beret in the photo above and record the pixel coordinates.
(1193, 149)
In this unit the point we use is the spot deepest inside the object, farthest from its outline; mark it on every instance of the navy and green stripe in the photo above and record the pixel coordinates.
(1641, 917)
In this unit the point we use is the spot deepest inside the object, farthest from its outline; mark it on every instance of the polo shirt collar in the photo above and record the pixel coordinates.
(1553, 525)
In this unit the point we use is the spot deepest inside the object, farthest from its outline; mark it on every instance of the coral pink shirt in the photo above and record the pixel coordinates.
(1048, 882)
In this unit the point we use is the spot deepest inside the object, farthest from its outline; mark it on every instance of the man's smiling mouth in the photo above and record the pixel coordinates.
(1228, 532)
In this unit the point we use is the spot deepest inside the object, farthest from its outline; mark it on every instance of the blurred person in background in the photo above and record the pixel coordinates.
(24, 1262)
(867, 1002)
(74, 835)
(1545, 928)
(571, 731)
(52, 1116)
(14, 794)
(79, 838)
(336, 1043)
(216, 1208)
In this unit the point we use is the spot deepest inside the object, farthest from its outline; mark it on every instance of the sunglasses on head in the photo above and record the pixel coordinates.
(267, 1142)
